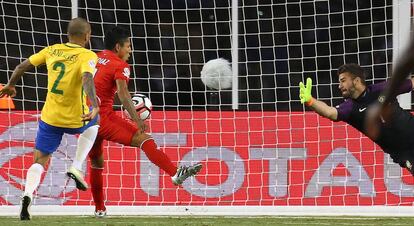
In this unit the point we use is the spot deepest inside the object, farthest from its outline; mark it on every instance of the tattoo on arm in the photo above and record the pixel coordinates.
(125, 98)
(129, 106)
(126, 101)
(89, 88)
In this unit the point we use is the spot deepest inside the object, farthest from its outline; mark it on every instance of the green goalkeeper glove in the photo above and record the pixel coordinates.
(305, 92)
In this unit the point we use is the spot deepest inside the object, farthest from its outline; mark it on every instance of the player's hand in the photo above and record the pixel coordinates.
(91, 115)
(8, 90)
(305, 92)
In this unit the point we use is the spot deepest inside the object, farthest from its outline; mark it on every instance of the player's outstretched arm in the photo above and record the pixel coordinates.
(125, 98)
(9, 89)
(89, 89)
(320, 107)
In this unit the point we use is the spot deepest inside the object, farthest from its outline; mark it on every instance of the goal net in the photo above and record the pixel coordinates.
(270, 153)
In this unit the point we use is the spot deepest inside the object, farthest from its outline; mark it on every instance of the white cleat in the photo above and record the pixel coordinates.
(100, 213)
(184, 172)
(77, 176)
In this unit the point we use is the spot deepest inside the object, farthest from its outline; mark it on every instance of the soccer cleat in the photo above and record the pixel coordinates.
(100, 213)
(24, 211)
(77, 176)
(410, 167)
(184, 172)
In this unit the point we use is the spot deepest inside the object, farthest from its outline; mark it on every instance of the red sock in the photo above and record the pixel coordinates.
(96, 180)
(158, 157)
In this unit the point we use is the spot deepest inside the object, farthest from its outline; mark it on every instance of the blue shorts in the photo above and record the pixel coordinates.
(48, 137)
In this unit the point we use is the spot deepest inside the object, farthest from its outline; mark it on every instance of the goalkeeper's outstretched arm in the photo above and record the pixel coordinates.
(324, 110)
(320, 107)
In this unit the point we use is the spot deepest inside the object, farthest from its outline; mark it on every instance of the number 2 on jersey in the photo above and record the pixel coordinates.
(60, 76)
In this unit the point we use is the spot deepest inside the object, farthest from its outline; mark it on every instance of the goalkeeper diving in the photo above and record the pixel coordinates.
(395, 134)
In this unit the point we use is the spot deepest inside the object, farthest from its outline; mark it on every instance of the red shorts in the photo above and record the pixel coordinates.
(112, 128)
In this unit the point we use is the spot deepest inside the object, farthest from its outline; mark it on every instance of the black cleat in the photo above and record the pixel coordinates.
(24, 211)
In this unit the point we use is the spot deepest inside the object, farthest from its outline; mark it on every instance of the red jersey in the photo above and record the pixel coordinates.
(109, 68)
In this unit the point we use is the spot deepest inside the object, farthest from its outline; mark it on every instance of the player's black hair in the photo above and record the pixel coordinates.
(354, 69)
(114, 36)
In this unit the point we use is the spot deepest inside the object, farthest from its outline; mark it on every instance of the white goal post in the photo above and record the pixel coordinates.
(401, 23)
(263, 153)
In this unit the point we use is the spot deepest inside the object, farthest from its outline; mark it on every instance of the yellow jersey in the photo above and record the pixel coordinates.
(65, 100)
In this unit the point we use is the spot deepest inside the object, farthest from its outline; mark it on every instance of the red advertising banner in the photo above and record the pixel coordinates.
(249, 158)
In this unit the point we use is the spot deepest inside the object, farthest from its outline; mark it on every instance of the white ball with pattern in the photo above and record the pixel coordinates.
(143, 106)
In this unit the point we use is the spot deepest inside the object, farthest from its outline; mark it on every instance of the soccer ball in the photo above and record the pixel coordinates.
(142, 104)
(217, 74)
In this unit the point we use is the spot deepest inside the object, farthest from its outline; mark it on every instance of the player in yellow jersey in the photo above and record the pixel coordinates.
(70, 68)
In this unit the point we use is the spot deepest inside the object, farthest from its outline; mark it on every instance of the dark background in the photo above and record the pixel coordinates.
(280, 44)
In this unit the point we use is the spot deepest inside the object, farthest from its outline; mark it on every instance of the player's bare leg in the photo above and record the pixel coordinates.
(159, 158)
(32, 182)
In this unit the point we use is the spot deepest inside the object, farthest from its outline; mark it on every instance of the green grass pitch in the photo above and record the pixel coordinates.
(206, 221)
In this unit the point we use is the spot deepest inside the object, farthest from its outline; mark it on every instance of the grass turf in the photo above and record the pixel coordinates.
(205, 221)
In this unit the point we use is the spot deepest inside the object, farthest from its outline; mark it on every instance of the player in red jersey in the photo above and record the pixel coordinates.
(112, 77)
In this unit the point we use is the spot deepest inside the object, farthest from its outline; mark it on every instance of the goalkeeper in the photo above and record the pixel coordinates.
(112, 77)
(395, 134)
(70, 70)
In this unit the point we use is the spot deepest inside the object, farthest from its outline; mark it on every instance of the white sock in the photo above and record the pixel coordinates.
(33, 179)
(85, 143)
